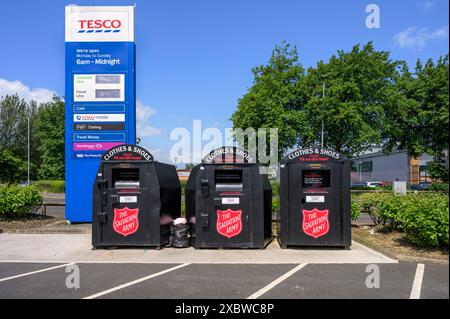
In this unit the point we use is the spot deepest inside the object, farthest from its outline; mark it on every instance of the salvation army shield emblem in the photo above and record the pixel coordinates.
(229, 222)
(315, 222)
(126, 221)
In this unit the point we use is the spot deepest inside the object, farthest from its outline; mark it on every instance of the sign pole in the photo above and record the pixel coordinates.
(323, 107)
(100, 96)
(28, 142)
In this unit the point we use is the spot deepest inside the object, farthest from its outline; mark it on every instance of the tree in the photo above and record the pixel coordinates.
(9, 116)
(50, 129)
(12, 168)
(276, 99)
(419, 122)
(359, 85)
(14, 114)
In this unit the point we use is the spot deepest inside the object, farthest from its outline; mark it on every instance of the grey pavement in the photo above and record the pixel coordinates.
(55, 211)
(364, 219)
(77, 248)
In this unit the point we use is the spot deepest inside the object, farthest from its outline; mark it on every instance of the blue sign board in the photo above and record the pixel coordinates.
(100, 96)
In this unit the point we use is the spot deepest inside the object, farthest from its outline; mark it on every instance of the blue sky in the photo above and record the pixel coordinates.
(194, 58)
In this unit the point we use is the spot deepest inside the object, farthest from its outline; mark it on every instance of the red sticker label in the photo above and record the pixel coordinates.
(229, 222)
(126, 221)
(315, 222)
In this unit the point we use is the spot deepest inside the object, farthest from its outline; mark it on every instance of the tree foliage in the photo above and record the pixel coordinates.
(358, 90)
(50, 128)
(12, 168)
(276, 99)
(419, 122)
(46, 139)
(370, 100)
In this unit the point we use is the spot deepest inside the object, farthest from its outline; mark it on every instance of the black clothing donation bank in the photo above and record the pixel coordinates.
(228, 201)
(315, 198)
(135, 199)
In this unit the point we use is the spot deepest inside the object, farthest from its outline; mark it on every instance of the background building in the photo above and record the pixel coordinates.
(374, 165)
(183, 174)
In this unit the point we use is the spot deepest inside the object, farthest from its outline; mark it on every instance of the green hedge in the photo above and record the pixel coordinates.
(424, 217)
(355, 210)
(16, 201)
(275, 196)
(364, 188)
(439, 187)
(368, 188)
(183, 187)
(51, 186)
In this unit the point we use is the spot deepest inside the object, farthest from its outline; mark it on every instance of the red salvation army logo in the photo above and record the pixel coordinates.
(229, 222)
(126, 221)
(315, 222)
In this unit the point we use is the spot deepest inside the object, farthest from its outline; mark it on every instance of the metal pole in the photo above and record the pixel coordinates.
(323, 107)
(28, 125)
(359, 165)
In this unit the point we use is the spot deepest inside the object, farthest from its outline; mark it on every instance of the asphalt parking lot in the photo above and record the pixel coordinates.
(402, 280)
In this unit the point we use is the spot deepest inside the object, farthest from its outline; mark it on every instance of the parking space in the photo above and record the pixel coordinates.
(206, 281)
(13, 269)
(435, 282)
(202, 281)
(93, 278)
(346, 281)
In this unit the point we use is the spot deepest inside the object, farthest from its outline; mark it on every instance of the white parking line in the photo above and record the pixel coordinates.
(276, 282)
(417, 284)
(34, 272)
(105, 292)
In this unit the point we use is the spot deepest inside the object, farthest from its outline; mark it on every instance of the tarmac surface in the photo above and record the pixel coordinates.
(206, 281)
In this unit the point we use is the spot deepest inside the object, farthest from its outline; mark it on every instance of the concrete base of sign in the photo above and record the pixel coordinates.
(77, 248)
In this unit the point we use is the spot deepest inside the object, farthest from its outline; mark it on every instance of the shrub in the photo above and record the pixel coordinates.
(363, 188)
(355, 210)
(439, 187)
(275, 187)
(423, 216)
(391, 210)
(426, 219)
(183, 187)
(275, 204)
(275, 196)
(51, 186)
(369, 203)
(16, 202)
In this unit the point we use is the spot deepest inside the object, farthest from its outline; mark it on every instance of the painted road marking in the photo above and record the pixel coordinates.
(108, 291)
(417, 284)
(276, 282)
(34, 272)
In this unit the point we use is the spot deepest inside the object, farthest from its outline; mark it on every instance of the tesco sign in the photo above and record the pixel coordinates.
(100, 24)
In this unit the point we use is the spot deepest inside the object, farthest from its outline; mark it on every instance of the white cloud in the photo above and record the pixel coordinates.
(426, 5)
(416, 39)
(143, 114)
(16, 87)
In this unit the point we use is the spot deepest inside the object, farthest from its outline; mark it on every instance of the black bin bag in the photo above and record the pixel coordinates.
(179, 233)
